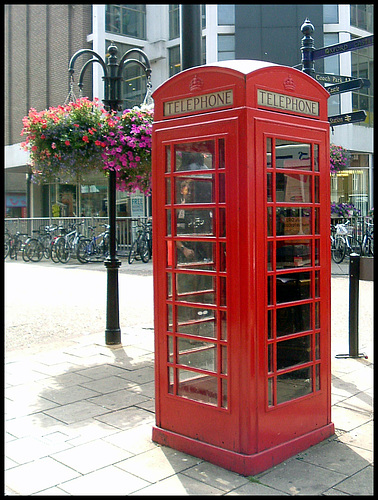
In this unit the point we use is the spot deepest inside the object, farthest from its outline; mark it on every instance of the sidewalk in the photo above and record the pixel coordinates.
(79, 419)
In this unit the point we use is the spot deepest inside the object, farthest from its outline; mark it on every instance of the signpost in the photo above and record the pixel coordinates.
(355, 116)
(340, 88)
(340, 48)
(325, 78)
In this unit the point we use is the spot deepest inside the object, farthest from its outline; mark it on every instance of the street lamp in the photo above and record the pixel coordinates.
(112, 100)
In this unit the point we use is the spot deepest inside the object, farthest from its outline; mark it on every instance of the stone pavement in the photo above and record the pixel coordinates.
(79, 419)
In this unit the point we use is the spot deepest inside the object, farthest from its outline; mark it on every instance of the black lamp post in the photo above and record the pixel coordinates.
(112, 101)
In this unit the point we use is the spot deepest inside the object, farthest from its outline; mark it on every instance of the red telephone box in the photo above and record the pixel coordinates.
(241, 211)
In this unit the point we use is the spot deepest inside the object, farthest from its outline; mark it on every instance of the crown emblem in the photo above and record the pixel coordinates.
(289, 83)
(196, 84)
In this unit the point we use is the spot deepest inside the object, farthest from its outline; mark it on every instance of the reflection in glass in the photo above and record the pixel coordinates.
(222, 257)
(168, 219)
(293, 188)
(198, 387)
(222, 222)
(293, 254)
(221, 153)
(196, 321)
(270, 255)
(291, 220)
(269, 190)
(222, 188)
(294, 385)
(171, 380)
(195, 254)
(223, 325)
(293, 286)
(170, 349)
(194, 221)
(224, 359)
(195, 189)
(293, 319)
(197, 354)
(194, 156)
(268, 152)
(293, 352)
(168, 159)
(270, 221)
(316, 157)
(195, 288)
(293, 155)
(224, 393)
(168, 190)
(270, 391)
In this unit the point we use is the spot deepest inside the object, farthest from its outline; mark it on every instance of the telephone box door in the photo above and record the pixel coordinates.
(193, 305)
(294, 259)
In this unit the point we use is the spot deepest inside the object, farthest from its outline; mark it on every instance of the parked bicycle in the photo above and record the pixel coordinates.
(95, 248)
(13, 243)
(66, 245)
(367, 244)
(343, 243)
(41, 244)
(142, 245)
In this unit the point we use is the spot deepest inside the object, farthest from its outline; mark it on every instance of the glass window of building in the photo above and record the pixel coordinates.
(363, 67)
(332, 66)
(226, 47)
(129, 20)
(361, 16)
(174, 60)
(330, 13)
(134, 78)
(226, 14)
(174, 21)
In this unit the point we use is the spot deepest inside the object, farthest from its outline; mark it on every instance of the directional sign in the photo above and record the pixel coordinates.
(356, 116)
(340, 48)
(345, 87)
(325, 78)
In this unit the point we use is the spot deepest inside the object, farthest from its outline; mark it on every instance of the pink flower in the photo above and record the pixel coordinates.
(85, 138)
(67, 142)
(53, 145)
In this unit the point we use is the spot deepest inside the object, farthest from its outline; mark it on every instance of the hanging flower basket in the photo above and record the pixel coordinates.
(338, 158)
(65, 142)
(344, 210)
(128, 149)
(79, 138)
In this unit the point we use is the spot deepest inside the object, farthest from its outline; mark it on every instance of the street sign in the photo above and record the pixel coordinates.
(325, 78)
(345, 87)
(355, 116)
(340, 48)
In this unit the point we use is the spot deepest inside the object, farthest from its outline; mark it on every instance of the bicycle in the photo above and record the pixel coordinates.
(95, 248)
(344, 243)
(41, 245)
(67, 244)
(367, 244)
(13, 243)
(142, 246)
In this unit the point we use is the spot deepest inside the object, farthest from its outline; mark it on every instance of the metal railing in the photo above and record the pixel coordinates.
(357, 224)
(126, 227)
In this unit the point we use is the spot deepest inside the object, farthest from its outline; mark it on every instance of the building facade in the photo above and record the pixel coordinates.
(40, 39)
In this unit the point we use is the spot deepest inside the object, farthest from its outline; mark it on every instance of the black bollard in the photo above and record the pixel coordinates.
(354, 292)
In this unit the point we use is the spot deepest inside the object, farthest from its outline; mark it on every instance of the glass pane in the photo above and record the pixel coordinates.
(316, 157)
(317, 346)
(293, 254)
(269, 152)
(194, 221)
(222, 222)
(224, 359)
(195, 288)
(222, 257)
(270, 221)
(293, 319)
(168, 191)
(198, 387)
(270, 358)
(316, 196)
(170, 349)
(170, 318)
(270, 255)
(317, 377)
(222, 291)
(270, 290)
(197, 354)
(293, 220)
(221, 154)
(224, 393)
(294, 385)
(293, 188)
(168, 159)
(269, 192)
(194, 156)
(291, 154)
(222, 188)
(294, 286)
(195, 255)
(270, 392)
(171, 380)
(168, 218)
(169, 285)
(195, 189)
(293, 352)
(223, 325)
(270, 324)
(196, 321)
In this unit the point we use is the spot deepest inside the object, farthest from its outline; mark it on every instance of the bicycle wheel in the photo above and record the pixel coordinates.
(6, 245)
(371, 241)
(53, 255)
(133, 252)
(144, 251)
(83, 250)
(34, 250)
(25, 255)
(62, 249)
(45, 240)
(354, 246)
(338, 250)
